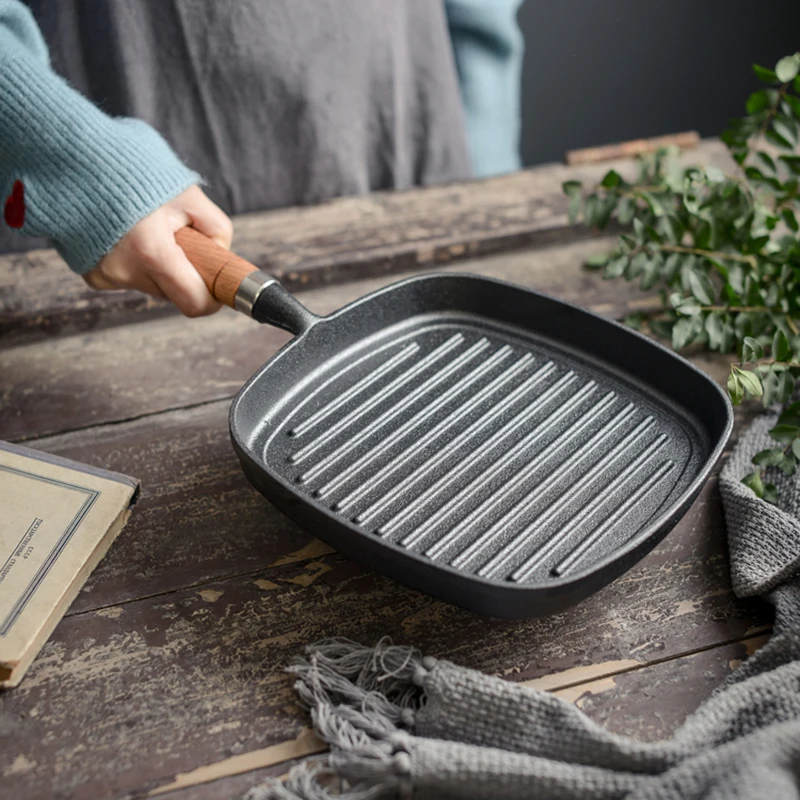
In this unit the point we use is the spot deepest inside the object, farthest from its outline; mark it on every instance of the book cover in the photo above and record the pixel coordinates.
(57, 520)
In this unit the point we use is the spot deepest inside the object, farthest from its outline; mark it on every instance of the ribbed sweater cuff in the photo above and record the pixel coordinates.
(88, 178)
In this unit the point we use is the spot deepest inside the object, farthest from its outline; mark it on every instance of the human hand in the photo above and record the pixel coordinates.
(149, 259)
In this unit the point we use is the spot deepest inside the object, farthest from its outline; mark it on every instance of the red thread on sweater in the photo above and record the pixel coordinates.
(14, 211)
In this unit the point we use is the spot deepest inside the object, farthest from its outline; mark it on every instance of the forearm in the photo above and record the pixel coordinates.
(488, 50)
(88, 178)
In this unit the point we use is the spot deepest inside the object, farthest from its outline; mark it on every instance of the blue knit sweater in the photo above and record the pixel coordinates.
(88, 178)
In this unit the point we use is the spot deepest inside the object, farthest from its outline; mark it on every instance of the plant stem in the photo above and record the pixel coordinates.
(763, 309)
(676, 248)
(768, 362)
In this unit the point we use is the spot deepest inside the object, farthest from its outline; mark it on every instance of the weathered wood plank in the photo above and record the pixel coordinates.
(189, 679)
(651, 703)
(346, 239)
(648, 703)
(132, 370)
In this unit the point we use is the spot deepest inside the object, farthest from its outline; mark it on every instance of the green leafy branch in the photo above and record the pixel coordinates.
(723, 251)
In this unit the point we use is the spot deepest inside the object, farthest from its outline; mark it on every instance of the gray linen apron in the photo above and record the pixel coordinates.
(274, 102)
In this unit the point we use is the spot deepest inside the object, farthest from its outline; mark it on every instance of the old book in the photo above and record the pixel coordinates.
(57, 520)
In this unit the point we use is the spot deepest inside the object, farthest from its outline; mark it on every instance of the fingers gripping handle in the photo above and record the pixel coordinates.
(222, 270)
(241, 285)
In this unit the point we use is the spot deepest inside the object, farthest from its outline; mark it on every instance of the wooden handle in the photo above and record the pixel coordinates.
(222, 270)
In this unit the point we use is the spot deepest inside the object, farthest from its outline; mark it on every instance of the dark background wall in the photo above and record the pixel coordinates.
(600, 71)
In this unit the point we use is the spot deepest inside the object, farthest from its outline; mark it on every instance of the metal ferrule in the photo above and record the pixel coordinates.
(250, 289)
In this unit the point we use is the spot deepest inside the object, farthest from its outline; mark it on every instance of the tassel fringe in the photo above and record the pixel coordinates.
(362, 700)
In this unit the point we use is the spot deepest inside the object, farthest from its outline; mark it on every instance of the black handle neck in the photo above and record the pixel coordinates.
(275, 306)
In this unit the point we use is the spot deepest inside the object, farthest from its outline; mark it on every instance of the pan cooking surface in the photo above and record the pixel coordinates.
(485, 449)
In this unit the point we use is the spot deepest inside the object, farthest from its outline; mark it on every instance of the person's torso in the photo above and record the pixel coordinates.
(274, 102)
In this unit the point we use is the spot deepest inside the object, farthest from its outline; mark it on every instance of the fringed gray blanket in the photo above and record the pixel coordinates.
(407, 726)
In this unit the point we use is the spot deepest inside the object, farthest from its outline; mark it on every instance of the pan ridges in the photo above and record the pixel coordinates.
(486, 453)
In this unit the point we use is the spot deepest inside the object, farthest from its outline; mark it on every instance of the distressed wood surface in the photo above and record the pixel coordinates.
(194, 677)
(140, 673)
(187, 679)
(131, 370)
(165, 677)
(345, 239)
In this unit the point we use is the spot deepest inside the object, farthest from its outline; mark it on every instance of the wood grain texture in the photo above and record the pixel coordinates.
(222, 270)
(635, 147)
(192, 678)
(343, 240)
(129, 371)
(183, 679)
(649, 704)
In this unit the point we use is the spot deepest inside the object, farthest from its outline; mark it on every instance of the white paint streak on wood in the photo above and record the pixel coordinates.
(581, 675)
(20, 765)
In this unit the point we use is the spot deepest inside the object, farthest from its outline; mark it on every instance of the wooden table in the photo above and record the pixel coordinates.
(165, 678)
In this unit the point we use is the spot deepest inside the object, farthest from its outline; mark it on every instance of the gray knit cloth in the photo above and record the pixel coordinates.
(400, 725)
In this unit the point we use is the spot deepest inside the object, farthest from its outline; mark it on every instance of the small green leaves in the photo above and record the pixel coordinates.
(722, 251)
(757, 101)
(769, 383)
(781, 351)
(769, 458)
(592, 210)
(742, 382)
(611, 180)
(766, 160)
(682, 332)
(787, 68)
(766, 491)
(764, 74)
(626, 209)
(616, 267)
(597, 261)
(785, 387)
(785, 434)
(735, 389)
(751, 350)
(715, 328)
(750, 382)
(753, 480)
(701, 287)
(671, 266)
(792, 162)
(774, 136)
(770, 494)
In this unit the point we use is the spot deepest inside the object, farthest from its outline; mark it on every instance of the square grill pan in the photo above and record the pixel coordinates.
(480, 442)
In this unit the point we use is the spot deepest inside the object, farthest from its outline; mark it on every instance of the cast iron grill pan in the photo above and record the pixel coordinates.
(485, 444)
